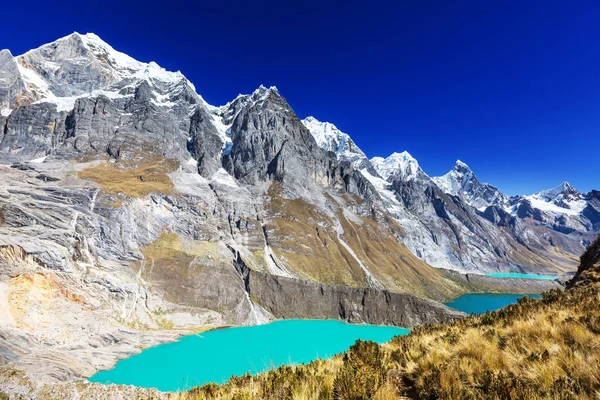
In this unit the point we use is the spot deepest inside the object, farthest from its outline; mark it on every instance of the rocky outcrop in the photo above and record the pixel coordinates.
(11, 84)
(589, 267)
(205, 143)
(271, 143)
(294, 298)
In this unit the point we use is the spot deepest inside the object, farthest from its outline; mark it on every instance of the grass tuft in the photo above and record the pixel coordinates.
(133, 178)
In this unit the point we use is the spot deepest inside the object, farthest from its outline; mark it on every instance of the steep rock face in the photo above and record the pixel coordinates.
(469, 240)
(11, 83)
(592, 209)
(331, 139)
(293, 298)
(589, 267)
(270, 142)
(130, 107)
(205, 143)
(285, 297)
(32, 132)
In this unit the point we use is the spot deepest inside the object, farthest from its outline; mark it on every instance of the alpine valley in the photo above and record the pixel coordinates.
(133, 212)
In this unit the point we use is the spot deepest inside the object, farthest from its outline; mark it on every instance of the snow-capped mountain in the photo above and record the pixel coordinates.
(562, 208)
(95, 174)
(330, 138)
(462, 182)
(562, 199)
(479, 227)
(563, 192)
(92, 67)
(398, 165)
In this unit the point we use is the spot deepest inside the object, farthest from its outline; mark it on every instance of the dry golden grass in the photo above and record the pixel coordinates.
(306, 241)
(536, 349)
(170, 245)
(392, 263)
(133, 178)
(172, 260)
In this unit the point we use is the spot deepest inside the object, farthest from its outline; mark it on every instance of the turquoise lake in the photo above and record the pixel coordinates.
(216, 355)
(479, 303)
(522, 276)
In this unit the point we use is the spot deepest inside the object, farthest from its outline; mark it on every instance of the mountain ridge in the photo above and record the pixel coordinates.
(209, 141)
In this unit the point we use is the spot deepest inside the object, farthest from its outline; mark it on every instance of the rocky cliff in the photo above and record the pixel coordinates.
(588, 272)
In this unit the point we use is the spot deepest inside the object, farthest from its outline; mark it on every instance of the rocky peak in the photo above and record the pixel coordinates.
(461, 167)
(401, 166)
(229, 111)
(270, 142)
(84, 66)
(563, 192)
(458, 179)
(461, 181)
(86, 96)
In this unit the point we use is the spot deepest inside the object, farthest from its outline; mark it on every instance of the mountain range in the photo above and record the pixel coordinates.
(130, 207)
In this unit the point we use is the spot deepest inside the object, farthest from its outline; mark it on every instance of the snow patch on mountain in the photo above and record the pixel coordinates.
(122, 64)
(330, 138)
(562, 199)
(32, 80)
(457, 180)
(418, 239)
(68, 103)
(401, 165)
(124, 71)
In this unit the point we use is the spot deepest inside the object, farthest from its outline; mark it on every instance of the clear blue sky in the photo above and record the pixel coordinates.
(512, 88)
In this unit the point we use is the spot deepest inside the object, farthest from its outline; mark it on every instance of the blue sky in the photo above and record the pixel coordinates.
(512, 88)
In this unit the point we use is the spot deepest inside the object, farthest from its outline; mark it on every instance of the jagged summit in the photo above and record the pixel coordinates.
(564, 191)
(260, 92)
(562, 199)
(227, 112)
(461, 166)
(461, 181)
(76, 66)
